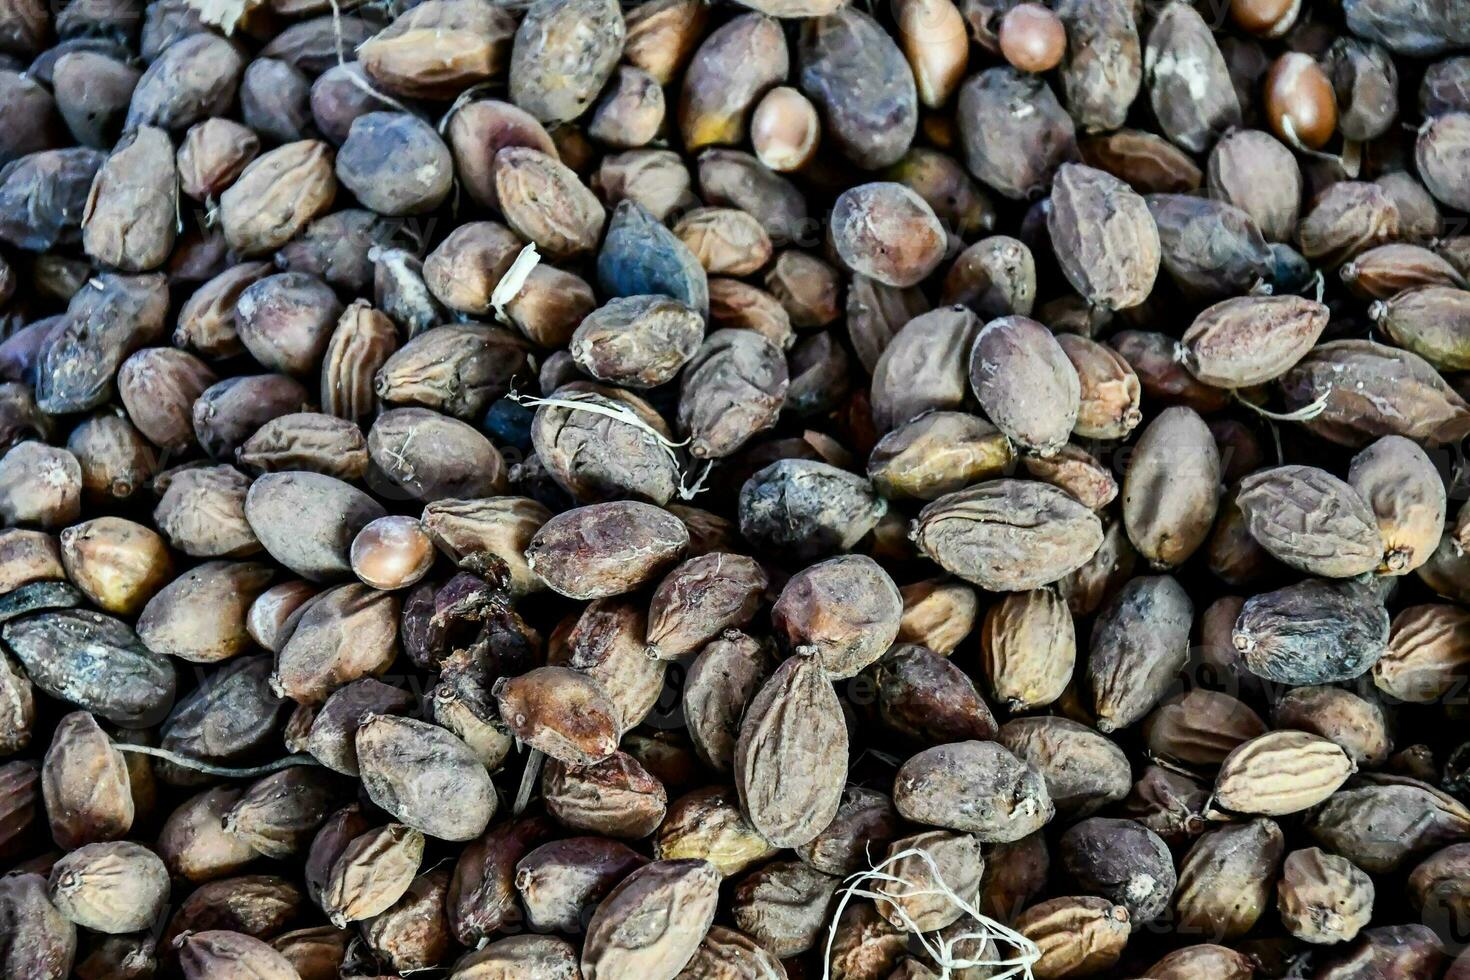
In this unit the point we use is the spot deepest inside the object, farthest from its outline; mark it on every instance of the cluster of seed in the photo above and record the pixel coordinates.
(776, 490)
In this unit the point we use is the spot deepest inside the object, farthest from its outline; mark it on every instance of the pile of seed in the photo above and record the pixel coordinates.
(803, 490)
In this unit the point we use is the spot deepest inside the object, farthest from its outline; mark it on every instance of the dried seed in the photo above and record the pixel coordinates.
(413, 770)
(887, 232)
(1323, 898)
(1008, 535)
(1105, 239)
(651, 924)
(1250, 340)
(1315, 632)
(1172, 487)
(790, 756)
(708, 824)
(1280, 773)
(1225, 879)
(977, 787)
(854, 72)
(1025, 383)
(114, 887)
(1083, 770)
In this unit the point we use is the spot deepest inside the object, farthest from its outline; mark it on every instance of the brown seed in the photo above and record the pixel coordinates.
(1426, 320)
(392, 553)
(1105, 239)
(1299, 101)
(1189, 82)
(1311, 520)
(784, 129)
(217, 952)
(1125, 861)
(1253, 171)
(616, 797)
(345, 633)
(1199, 728)
(1357, 724)
(1172, 487)
(844, 612)
(564, 52)
(605, 549)
(201, 615)
(637, 341)
(1225, 878)
(937, 453)
(276, 195)
(1250, 340)
(1083, 770)
(701, 599)
(478, 534)
(212, 155)
(932, 862)
(1008, 535)
(544, 200)
(1280, 773)
(1108, 404)
(1205, 959)
(1439, 155)
(561, 882)
(158, 386)
(1383, 272)
(130, 218)
(1371, 390)
(1076, 936)
(521, 958)
(307, 521)
(651, 924)
(933, 37)
(463, 271)
(561, 711)
(85, 784)
(457, 369)
(1426, 655)
(1149, 164)
(41, 485)
(887, 232)
(1323, 898)
(437, 51)
(1032, 38)
(977, 787)
(790, 757)
(307, 441)
(275, 612)
(114, 887)
(425, 777)
(734, 66)
(1347, 218)
(1029, 647)
(117, 563)
(372, 872)
(1025, 383)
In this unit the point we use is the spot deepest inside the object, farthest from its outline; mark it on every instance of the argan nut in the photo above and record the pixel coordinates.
(392, 553)
(1299, 101)
(784, 129)
(1032, 38)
